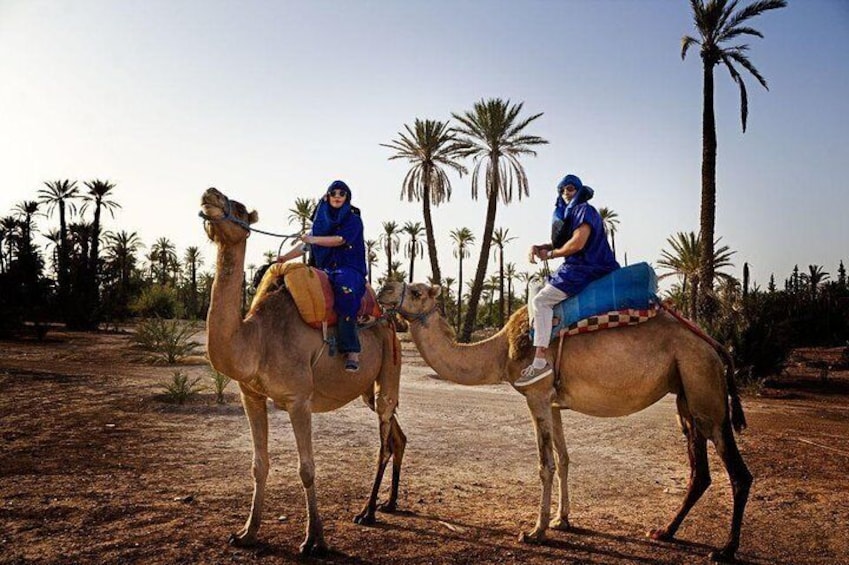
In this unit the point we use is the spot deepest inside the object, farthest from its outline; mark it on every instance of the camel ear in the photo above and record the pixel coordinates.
(253, 217)
(434, 291)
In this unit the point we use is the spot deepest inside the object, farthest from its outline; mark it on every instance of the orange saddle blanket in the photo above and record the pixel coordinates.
(310, 289)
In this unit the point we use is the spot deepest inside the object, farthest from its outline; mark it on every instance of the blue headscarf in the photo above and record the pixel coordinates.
(327, 219)
(561, 224)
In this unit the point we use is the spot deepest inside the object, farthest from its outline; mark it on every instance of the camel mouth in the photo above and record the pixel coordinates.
(387, 296)
(211, 204)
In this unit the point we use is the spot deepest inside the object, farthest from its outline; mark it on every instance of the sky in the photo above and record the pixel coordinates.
(272, 101)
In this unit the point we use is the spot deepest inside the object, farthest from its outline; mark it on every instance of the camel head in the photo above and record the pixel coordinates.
(412, 301)
(227, 221)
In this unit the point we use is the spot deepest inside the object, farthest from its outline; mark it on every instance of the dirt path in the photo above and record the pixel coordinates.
(94, 468)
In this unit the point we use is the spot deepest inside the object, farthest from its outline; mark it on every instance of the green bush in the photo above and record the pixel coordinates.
(161, 301)
(180, 388)
(166, 340)
(220, 382)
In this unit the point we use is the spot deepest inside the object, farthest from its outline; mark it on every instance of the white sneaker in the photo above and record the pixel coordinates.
(531, 375)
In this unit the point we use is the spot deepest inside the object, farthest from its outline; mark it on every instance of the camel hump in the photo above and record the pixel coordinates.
(313, 295)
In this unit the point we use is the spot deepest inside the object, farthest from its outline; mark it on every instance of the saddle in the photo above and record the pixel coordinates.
(313, 295)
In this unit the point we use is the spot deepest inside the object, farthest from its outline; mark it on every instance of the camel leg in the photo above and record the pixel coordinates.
(385, 408)
(397, 444)
(741, 482)
(257, 414)
(301, 418)
(699, 472)
(561, 522)
(539, 403)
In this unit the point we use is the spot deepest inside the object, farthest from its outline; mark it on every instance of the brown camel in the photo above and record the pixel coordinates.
(273, 354)
(614, 372)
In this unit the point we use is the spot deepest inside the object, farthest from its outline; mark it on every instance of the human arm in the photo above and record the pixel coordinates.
(575, 244)
(323, 240)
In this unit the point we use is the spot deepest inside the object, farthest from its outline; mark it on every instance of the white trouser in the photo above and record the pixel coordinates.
(543, 313)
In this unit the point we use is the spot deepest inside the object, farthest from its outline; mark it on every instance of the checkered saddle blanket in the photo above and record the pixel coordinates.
(612, 319)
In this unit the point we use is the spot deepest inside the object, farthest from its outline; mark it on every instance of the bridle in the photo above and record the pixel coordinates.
(229, 217)
(410, 317)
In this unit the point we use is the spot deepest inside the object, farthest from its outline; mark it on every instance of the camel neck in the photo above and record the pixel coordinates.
(224, 319)
(481, 363)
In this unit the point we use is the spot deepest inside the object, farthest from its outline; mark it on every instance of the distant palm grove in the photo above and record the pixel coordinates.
(82, 275)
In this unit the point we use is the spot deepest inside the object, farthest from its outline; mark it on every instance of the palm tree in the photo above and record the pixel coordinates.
(121, 249)
(98, 193)
(815, 276)
(500, 239)
(430, 146)
(527, 279)
(3, 234)
(54, 236)
(302, 212)
(163, 253)
(463, 239)
(61, 195)
(510, 276)
(493, 135)
(414, 246)
(25, 211)
(684, 261)
(371, 256)
(193, 259)
(610, 221)
(717, 23)
(391, 243)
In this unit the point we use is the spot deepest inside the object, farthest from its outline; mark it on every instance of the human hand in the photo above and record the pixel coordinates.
(306, 238)
(532, 254)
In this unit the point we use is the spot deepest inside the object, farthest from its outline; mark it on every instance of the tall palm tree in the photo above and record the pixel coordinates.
(371, 256)
(510, 276)
(98, 196)
(500, 239)
(413, 247)
(3, 234)
(391, 242)
(493, 135)
(54, 236)
(121, 249)
(12, 228)
(463, 239)
(164, 254)
(25, 211)
(526, 279)
(61, 195)
(684, 261)
(610, 221)
(302, 213)
(193, 260)
(718, 22)
(430, 146)
(815, 276)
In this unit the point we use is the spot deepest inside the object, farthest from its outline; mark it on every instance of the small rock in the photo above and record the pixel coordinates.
(282, 518)
(184, 499)
(110, 425)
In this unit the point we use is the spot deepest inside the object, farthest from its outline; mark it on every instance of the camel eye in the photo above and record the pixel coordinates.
(416, 294)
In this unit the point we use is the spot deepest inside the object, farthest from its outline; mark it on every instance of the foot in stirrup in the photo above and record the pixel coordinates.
(530, 375)
(352, 363)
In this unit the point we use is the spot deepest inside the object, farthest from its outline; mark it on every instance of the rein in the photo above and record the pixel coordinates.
(407, 315)
(229, 217)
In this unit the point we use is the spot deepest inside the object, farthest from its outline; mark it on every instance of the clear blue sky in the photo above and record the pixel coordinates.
(270, 101)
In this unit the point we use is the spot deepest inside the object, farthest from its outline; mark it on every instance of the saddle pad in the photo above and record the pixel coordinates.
(613, 319)
(313, 295)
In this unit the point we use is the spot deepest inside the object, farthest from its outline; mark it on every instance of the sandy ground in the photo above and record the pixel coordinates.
(96, 468)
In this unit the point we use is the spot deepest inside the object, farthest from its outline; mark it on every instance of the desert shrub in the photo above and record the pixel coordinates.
(180, 388)
(220, 382)
(166, 340)
(159, 301)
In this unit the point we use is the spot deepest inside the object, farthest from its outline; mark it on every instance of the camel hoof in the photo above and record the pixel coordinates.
(660, 535)
(535, 536)
(313, 548)
(365, 519)
(388, 507)
(560, 524)
(724, 555)
(241, 540)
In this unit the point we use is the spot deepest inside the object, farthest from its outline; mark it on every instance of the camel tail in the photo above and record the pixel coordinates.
(735, 407)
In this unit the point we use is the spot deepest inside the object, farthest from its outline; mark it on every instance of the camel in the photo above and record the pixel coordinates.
(608, 373)
(273, 354)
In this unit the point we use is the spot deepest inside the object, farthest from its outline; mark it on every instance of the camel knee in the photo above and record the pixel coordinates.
(385, 407)
(259, 468)
(306, 470)
(546, 470)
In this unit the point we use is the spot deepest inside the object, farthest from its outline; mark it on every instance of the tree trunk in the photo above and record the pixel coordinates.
(412, 259)
(431, 241)
(501, 286)
(486, 245)
(460, 292)
(708, 204)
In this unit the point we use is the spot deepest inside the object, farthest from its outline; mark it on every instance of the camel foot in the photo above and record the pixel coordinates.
(313, 547)
(242, 539)
(661, 534)
(388, 507)
(535, 536)
(724, 555)
(365, 518)
(560, 524)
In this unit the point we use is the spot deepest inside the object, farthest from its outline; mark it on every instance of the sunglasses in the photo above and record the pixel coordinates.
(337, 193)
